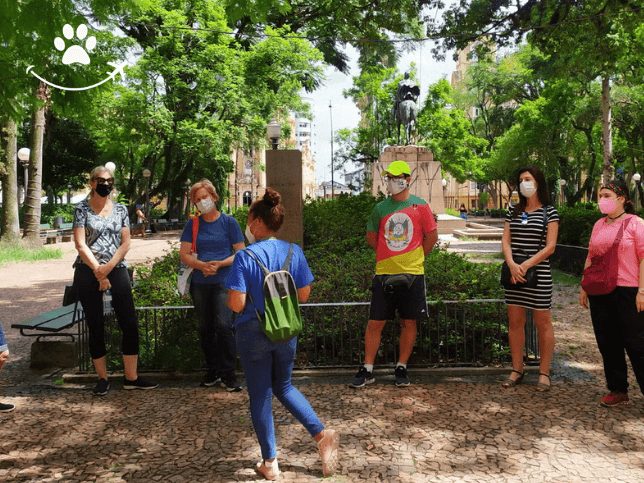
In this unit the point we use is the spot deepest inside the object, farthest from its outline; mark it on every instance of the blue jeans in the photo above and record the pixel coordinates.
(215, 328)
(3, 341)
(267, 367)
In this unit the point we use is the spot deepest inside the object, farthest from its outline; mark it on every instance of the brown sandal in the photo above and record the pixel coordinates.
(542, 387)
(509, 382)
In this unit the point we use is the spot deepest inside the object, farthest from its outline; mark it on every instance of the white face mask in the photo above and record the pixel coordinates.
(249, 235)
(396, 185)
(527, 188)
(206, 205)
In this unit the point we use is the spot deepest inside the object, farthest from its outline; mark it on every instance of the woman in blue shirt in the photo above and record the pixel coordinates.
(218, 238)
(268, 365)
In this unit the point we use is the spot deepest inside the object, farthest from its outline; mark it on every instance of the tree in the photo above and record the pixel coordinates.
(591, 38)
(8, 175)
(446, 133)
(194, 96)
(329, 23)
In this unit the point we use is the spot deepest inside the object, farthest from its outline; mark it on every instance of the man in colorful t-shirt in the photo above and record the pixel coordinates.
(402, 230)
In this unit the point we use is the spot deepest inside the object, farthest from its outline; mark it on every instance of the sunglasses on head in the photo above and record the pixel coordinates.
(100, 180)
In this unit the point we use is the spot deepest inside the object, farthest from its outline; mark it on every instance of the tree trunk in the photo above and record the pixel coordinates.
(9, 175)
(607, 131)
(34, 190)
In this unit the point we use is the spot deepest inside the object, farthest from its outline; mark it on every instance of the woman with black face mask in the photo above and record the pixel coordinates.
(102, 237)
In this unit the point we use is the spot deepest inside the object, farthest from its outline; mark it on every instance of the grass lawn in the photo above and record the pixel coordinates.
(18, 253)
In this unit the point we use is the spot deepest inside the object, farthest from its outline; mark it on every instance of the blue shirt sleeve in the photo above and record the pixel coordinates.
(236, 235)
(186, 235)
(299, 268)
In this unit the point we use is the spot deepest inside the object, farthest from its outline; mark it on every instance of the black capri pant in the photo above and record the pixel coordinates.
(91, 298)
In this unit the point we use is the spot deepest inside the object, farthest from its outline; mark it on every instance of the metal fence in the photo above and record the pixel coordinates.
(455, 333)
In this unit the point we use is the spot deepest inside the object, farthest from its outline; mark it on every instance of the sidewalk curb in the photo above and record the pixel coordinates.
(439, 372)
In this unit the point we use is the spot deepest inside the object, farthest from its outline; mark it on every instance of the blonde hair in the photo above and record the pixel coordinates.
(94, 173)
(207, 185)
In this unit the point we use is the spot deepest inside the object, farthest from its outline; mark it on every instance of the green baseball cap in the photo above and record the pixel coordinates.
(397, 168)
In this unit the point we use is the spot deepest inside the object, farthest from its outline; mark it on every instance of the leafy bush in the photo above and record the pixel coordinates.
(576, 224)
(452, 212)
(156, 285)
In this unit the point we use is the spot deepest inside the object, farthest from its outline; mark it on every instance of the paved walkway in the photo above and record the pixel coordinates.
(441, 429)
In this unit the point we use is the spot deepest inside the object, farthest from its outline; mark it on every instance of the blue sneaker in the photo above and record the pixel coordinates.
(363, 377)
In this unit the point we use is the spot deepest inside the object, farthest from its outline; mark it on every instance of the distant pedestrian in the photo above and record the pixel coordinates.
(526, 231)
(616, 252)
(140, 215)
(102, 237)
(268, 365)
(218, 239)
(4, 355)
(402, 231)
(463, 211)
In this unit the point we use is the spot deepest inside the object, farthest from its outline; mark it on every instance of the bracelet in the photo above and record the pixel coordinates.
(640, 290)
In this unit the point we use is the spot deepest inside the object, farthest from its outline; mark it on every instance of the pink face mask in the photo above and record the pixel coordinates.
(607, 205)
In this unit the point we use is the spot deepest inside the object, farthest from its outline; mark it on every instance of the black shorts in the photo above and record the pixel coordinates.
(411, 303)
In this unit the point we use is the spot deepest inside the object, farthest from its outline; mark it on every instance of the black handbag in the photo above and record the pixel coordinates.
(519, 256)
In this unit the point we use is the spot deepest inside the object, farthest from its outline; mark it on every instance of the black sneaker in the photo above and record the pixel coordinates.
(211, 379)
(140, 383)
(401, 377)
(101, 388)
(362, 378)
(231, 385)
(6, 408)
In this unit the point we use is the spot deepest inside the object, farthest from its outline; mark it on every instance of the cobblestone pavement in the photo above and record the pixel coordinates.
(444, 428)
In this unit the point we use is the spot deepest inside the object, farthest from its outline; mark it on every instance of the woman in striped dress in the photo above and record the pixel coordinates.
(524, 229)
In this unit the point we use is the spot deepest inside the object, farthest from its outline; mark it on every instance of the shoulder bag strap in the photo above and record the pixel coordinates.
(195, 232)
(622, 228)
(545, 227)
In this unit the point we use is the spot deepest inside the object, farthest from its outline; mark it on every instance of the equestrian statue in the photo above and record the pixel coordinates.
(405, 107)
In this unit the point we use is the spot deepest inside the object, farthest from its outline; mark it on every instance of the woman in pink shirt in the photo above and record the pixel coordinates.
(618, 317)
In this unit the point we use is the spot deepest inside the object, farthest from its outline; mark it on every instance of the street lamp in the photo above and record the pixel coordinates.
(111, 166)
(332, 183)
(562, 183)
(637, 178)
(273, 130)
(146, 174)
(23, 156)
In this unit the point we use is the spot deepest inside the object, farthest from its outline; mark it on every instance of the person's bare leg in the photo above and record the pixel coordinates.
(100, 366)
(516, 335)
(407, 339)
(372, 340)
(130, 365)
(546, 342)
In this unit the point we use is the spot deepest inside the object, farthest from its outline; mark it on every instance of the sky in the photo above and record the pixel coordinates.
(345, 114)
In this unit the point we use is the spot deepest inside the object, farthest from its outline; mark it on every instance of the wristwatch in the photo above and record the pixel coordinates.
(640, 290)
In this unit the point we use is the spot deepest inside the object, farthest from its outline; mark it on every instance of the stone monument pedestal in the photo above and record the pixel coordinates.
(426, 176)
(284, 174)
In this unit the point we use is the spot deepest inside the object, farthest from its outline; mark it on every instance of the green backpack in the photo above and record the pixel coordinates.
(282, 320)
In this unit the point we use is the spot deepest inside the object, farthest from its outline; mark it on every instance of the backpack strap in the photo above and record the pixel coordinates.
(287, 262)
(252, 255)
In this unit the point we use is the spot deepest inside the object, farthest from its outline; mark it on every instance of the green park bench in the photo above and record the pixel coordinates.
(48, 234)
(53, 324)
(162, 224)
(66, 231)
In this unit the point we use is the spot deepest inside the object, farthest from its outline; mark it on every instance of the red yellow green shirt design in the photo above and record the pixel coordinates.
(401, 227)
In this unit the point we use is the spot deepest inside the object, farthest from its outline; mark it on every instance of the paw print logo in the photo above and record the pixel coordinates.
(75, 54)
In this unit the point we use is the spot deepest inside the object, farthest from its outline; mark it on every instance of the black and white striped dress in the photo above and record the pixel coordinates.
(527, 236)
